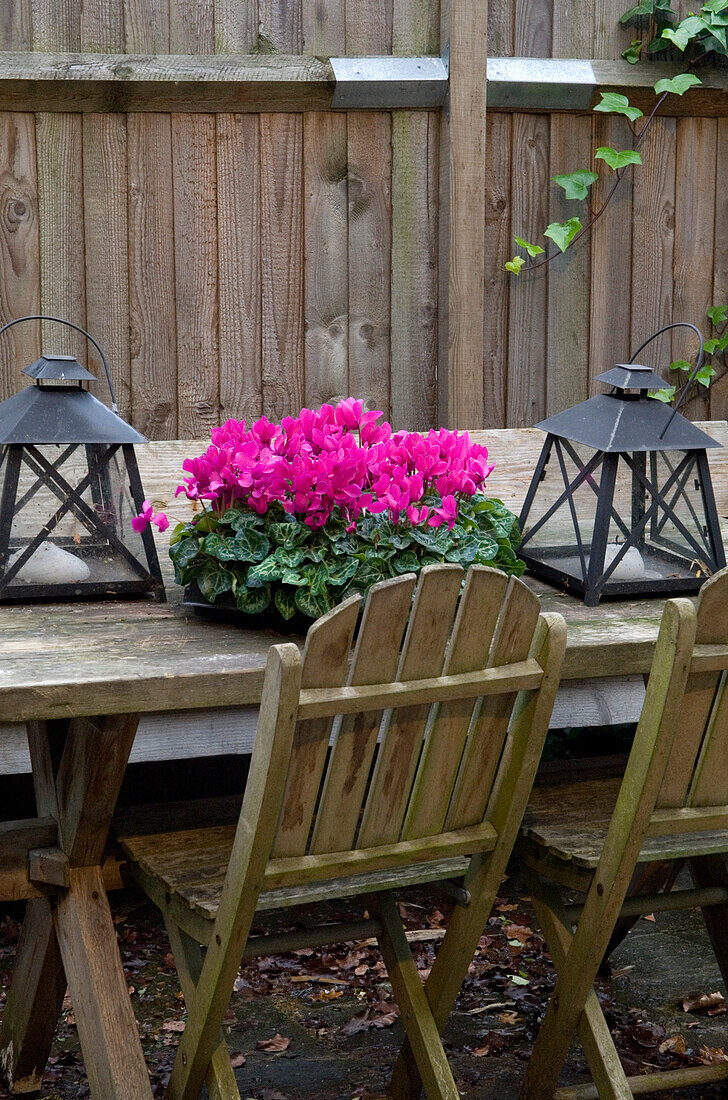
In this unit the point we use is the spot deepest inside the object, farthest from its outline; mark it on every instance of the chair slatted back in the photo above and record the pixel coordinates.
(697, 769)
(382, 776)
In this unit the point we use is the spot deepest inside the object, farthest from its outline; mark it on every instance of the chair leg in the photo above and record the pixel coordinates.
(188, 957)
(422, 1032)
(712, 871)
(453, 958)
(601, 1054)
(569, 1002)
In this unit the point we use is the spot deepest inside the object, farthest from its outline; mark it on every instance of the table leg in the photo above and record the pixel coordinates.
(104, 1015)
(34, 1001)
(82, 791)
(38, 986)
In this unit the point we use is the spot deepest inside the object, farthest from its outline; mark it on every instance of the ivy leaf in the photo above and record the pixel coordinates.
(718, 33)
(685, 31)
(720, 344)
(615, 159)
(563, 235)
(678, 85)
(633, 52)
(576, 185)
(715, 6)
(665, 395)
(705, 374)
(615, 104)
(534, 249)
(515, 265)
(646, 7)
(680, 364)
(285, 602)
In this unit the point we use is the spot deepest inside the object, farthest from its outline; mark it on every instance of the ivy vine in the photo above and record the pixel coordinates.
(697, 39)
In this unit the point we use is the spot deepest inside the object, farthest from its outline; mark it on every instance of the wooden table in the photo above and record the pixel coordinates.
(79, 676)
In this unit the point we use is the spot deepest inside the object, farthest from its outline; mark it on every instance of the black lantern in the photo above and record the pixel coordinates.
(70, 487)
(621, 502)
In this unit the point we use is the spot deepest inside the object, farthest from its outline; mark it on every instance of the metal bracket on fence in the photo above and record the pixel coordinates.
(544, 84)
(390, 83)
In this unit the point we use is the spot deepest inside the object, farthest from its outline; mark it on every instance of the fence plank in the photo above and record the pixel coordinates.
(326, 261)
(653, 228)
(57, 26)
(19, 258)
(16, 25)
(568, 275)
(105, 214)
(611, 254)
(610, 37)
(719, 388)
(498, 250)
(415, 170)
(192, 30)
(467, 192)
(694, 230)
(238, 222)
(281, 231)
(369, 154)
(533, 28)
(527, 309)
(153, 330)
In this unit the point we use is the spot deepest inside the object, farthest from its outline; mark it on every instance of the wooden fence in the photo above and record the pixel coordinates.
(234, 263)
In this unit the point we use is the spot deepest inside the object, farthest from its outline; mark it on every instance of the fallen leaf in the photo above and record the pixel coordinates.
(274, 1045)
(704, 1002)
(675, 1043)
(173, 1025)
(327, 994)
(237, 1059)
(508, 1017)
(711, 1056)
(519, 932)
(168, 961)
(649, 917)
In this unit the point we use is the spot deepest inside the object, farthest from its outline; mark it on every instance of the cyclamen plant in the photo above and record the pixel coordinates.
(297, 515)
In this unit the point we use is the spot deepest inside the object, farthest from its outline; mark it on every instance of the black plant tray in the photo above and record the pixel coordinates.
(225, 610)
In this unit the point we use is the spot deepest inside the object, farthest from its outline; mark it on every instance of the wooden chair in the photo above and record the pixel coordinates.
(409, 762)
(605, 838)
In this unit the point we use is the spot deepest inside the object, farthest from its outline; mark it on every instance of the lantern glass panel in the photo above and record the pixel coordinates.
(556, 538)
(73, 506)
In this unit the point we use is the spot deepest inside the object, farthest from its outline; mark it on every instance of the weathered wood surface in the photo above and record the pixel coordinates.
(156, 658)
(240, 81)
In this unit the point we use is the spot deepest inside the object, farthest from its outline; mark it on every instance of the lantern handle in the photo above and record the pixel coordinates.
(693, 376)
(61, 321)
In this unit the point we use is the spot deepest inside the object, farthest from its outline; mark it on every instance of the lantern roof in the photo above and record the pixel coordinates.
(61, 414)
(611, 423)
(59, 367)
(632, 376)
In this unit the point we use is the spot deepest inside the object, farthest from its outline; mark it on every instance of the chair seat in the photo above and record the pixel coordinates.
(189, 860)
(569, 822)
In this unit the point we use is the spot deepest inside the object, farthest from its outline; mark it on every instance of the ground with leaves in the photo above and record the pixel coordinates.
(321, 1023)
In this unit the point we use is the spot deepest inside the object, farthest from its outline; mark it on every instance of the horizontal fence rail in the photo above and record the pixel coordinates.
(252, 83)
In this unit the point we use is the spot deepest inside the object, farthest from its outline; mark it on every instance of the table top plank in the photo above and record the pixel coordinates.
(143, 656)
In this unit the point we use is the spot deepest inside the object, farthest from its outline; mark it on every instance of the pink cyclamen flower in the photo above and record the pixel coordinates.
(146, 516)
(447, 514)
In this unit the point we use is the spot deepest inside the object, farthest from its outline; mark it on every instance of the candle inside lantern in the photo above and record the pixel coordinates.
(631, 567)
